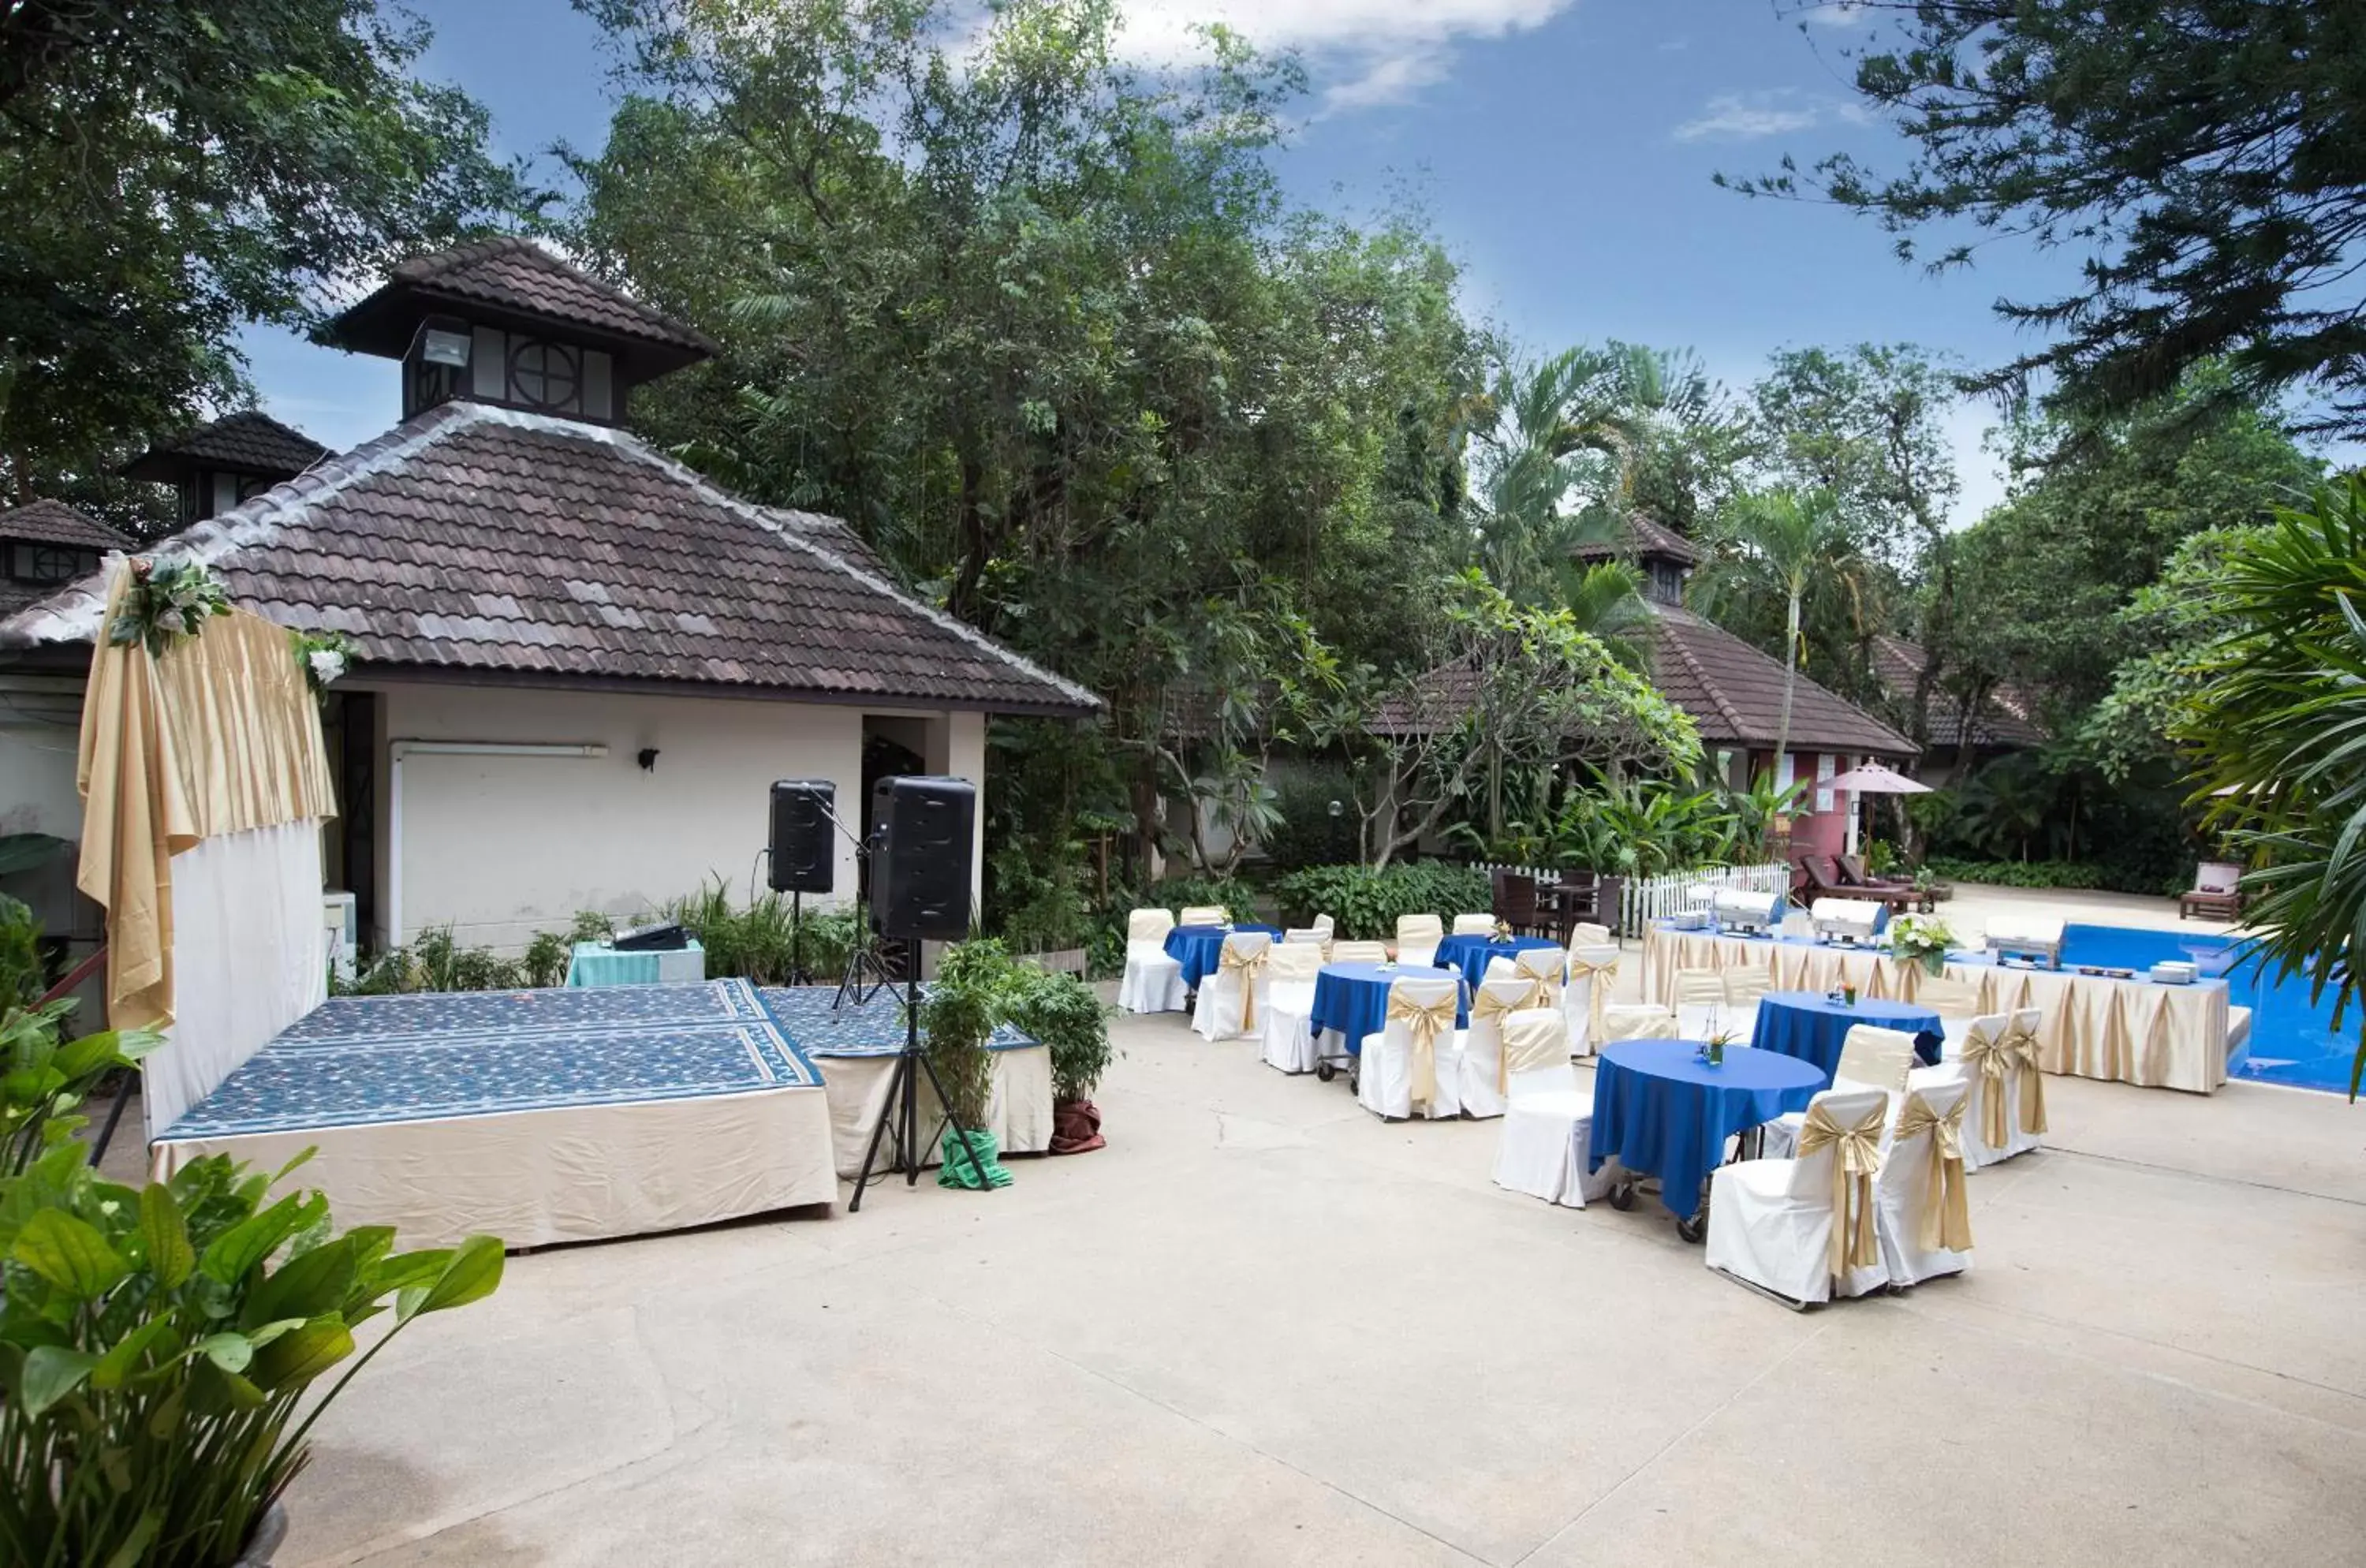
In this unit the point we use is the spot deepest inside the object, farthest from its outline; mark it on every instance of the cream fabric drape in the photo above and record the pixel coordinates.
(2095, 1027)
(220, 735)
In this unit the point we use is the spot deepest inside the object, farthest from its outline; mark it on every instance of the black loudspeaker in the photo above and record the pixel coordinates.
(924, 829)
(803, 858)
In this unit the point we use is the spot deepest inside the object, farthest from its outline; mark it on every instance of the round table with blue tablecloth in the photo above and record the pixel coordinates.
(1472, 955)
(1197, 948)
(1813, 1027)
(1351, 1000)
(1660, 1111)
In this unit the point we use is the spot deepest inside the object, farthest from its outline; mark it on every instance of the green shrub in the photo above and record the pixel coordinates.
(23, 976)
(964, 1004)
(1308, 835)
(46, 1080)
(546, 959)
(2071, 875)
(756, 942)
(1179, 893)
(154, 1361)
(1063, 1012)
(1365, 904)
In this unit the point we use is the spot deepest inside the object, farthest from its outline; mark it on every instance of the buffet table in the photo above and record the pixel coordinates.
(2096, 1026)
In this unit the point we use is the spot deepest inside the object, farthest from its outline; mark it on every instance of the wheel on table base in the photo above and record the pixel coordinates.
(1622, 1196)
(1325, 1072)
(1692, 1230)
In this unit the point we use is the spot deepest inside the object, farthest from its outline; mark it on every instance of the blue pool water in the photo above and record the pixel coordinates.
(2292, 1040)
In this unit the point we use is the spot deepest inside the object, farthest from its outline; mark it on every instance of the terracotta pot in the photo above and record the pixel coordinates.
(1076, 1128)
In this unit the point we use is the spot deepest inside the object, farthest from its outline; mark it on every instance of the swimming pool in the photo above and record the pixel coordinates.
(2292, 1040)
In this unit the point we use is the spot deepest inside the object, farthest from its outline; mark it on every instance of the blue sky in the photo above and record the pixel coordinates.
(1563, 148)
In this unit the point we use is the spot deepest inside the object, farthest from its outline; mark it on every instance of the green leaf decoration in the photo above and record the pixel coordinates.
(70, 1254)
(50, 1373)
(231, 1352)
(134, 1550)
(121, 1359)
(473, 1273)
(303, 1287)
(241, 1250)
(170, 1256)
(297, 1358)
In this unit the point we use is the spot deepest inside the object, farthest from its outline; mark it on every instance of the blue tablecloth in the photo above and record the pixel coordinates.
(1351, 1000)
(1471, 954)
(1813, 1027)
(1665, 1114)
(597, 964)
(1197, 947)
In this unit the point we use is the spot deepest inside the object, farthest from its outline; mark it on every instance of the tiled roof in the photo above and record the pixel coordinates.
(55, 523)
(2007, 718)
(481, 538)
(516, 276)
(250, 441)
(1641, 537)
(1734, 693)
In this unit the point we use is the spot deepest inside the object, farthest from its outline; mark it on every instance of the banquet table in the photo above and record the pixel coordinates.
(1813, 1026)
(1660, 1111)
(1351, 1000)
(1197, 948)
(1471, 954)
(597, 964)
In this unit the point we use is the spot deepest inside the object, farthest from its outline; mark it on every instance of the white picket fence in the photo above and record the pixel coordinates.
(1647, 898)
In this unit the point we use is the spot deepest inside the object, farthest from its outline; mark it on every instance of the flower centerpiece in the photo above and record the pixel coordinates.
(322, 656)
(168, 601)
(1920, 939)
(1713, 1050)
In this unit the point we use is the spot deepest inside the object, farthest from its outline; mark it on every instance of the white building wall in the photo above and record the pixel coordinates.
(500, 847)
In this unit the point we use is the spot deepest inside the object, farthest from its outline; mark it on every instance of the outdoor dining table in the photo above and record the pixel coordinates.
(1197, 948)
(1351, 1000)
(1471, 954)
(1813, 1026)
(1660, 1111)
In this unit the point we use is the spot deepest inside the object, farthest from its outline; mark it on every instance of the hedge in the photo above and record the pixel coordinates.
(1367, 903)
(2072, 874)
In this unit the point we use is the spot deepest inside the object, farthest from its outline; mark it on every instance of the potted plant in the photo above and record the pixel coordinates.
(45, 1081)
(1920, 939)
(157, 1344)
(1063, 1012)
(961, 1009)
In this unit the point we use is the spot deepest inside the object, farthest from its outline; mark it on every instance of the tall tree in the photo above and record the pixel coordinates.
(172, 169)
(2205, 161)
(1781, 543)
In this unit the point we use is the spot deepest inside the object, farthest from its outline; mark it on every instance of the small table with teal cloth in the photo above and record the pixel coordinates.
(1197, 948)
(1813, 1027)
(1472, 955)
(1660, 1111)
(1351, 1000)
(597, 964)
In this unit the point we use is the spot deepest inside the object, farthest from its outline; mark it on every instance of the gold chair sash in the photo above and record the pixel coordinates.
(2020, 1046)
(1487, 1004)
(1946, 1218)
(1603, 975)
(1247, 964)
(1855, 1160)
(1425, 1023)
(1988, 1055)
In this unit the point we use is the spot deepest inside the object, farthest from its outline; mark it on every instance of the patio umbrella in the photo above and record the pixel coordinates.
(1874, 779)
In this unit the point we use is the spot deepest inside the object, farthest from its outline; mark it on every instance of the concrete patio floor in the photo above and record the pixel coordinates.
(1263, 1328)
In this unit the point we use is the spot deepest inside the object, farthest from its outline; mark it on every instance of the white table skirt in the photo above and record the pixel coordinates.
(2096, 1027)
(1020, 1114)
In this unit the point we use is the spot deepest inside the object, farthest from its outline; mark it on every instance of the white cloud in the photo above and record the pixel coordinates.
(1839, 14)
(1364, 52)
(1744, 116)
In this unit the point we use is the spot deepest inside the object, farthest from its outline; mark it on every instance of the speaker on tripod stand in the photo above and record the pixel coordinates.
(926, 833)
(800, 855)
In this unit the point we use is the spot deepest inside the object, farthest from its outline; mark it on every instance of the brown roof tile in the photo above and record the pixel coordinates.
(250, 441)
(2007, 718)
(55, 523)
(1642, 536)
(514, 276)
(481, 538)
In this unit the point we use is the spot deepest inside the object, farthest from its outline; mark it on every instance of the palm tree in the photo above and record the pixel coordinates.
(1606, 601)
(1781, 542)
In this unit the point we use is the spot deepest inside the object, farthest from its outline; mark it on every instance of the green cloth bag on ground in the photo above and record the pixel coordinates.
(958, 1169)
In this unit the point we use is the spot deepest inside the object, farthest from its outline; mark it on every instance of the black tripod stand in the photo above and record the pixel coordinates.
(798, 973)
(866, 972)
(902, 1110)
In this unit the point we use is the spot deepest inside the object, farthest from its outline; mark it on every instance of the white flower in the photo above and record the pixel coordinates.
(327, 664)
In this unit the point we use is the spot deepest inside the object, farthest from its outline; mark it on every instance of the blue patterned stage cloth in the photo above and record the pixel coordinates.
(358, 1060)
(874, 1028)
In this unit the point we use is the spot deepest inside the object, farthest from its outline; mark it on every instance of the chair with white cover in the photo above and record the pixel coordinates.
(1287, 1027)
(1326, 925)
(1481, 1077)
(1956, 1002)
(1745, 986)
(1593, 973)
(1398, 1075)
(1359, 952)
(1636, 1020)
(2004, 1100)
(1589, 934)
(1546, 966)
(1474, 925)
(1807, 1227)
(1871, 1057)
(1153, 982)
(1700, 1003)
(1417, 940)
(1924, 1210)
(1203, 915)
(1548, 1115)
(1231, 1000)
(1307, 936)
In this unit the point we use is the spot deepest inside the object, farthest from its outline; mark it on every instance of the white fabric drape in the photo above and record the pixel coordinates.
(1019, 1114)
(250, 958)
